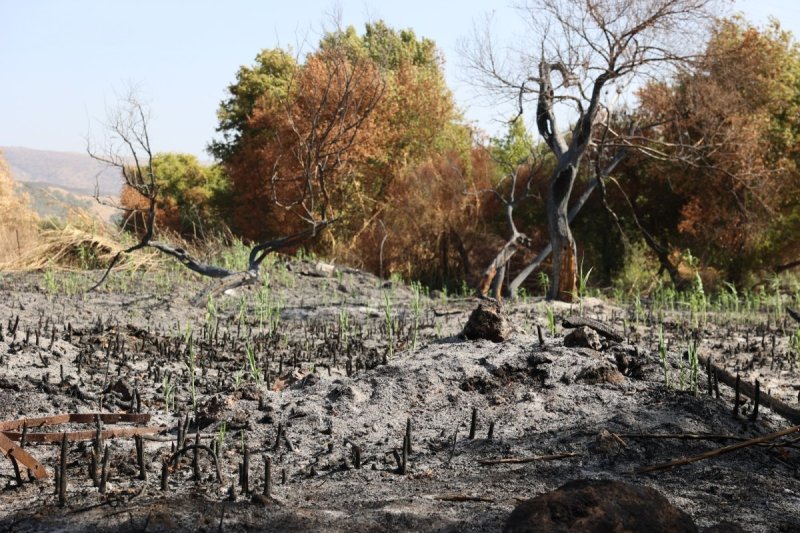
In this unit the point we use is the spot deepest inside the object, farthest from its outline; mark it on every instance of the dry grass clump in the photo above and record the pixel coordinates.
(18, 222)
(78, 243)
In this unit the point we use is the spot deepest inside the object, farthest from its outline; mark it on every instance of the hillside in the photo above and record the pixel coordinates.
(74, 172)
(57, 182)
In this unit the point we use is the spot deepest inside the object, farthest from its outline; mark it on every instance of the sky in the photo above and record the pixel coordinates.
(65, 63)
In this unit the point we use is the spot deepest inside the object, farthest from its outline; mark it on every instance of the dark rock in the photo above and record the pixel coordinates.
(344, 392)
(123, 389)
(603, 329)
(262, 500)
(14, 384)
(606, 443)
(603, 373)
(583, 337)
(307, 381)
(537, 359)
(211, 410)
(599, 506)
(250, 391)
(634, 365)
(477, 383)
(487, 322)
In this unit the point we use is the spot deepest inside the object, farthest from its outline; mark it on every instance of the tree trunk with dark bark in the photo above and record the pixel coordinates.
(564, 283)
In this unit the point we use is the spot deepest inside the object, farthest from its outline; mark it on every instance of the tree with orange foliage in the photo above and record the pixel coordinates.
(737, 111)
(361, 112)
(432, 231)
(292, 166)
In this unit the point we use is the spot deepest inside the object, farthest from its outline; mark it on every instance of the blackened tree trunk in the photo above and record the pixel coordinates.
(579, 47)
(563, 286)
(576, 207)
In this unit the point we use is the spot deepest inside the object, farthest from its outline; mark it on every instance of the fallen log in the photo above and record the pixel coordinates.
(778, 406)
(719, 451)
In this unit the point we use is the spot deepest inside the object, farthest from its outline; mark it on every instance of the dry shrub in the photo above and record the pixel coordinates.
(430, 228)
(18, 222)
(78, 243)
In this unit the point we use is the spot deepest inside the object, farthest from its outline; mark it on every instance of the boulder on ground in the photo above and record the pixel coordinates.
(583, 337)
(603, 372)
(487, 321)
(588, 505)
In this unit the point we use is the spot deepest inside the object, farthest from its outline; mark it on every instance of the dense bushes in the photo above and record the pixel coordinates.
(364, 129)
(193, 198)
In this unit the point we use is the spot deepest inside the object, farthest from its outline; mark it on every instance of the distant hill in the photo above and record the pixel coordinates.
(74, 172)
(53, 202)
(59, 181)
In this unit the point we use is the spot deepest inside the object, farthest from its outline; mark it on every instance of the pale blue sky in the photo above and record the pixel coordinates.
(63, 62)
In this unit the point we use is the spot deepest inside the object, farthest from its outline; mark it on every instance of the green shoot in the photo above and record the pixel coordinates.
(544, 281)
(168, 390)
(255, 371)
(389, 323)
(551, 320)
(221, 436)
(662, 350)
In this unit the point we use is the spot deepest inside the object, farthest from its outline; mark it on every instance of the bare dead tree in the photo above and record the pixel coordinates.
(601, 175)
(581, 49)
(128, 148)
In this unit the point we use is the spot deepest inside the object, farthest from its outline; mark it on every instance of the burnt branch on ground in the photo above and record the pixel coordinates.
(129, 150)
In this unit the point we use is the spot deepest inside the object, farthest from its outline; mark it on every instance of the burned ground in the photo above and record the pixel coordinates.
(323, 371)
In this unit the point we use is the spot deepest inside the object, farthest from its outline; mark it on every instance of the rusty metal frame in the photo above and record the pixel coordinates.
(19, 455)
(74, 418)
(10, 432)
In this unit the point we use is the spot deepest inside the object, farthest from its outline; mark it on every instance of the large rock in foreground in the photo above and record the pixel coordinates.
(487, 322)
(599, 506)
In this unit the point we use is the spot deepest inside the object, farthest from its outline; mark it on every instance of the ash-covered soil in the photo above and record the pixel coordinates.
(341, 363)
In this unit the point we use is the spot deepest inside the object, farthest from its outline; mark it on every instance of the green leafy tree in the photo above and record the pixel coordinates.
(192, 196)
(270, 76)
(515, 147)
